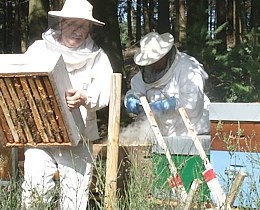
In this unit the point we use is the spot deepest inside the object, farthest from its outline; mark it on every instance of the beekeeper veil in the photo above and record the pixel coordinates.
(81, 9)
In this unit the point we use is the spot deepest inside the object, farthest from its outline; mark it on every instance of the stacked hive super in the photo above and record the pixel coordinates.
(33, 109)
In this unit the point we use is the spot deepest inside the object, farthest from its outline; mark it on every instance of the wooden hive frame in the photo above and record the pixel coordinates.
(33, 110)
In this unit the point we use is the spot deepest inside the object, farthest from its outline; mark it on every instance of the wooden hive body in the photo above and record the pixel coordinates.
(33, 110)
(235, 126)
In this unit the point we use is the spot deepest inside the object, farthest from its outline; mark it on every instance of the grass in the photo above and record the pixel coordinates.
(136, 185)
(10, 196)
(138, 179)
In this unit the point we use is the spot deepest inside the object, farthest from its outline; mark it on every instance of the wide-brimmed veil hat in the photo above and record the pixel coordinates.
(153, 47)
(76, 9)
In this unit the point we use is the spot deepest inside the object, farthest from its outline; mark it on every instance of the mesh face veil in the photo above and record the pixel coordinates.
(72, 24)
(151, 75)
(70, 32)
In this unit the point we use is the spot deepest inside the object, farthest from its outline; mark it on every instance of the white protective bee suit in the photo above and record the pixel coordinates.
(89, 70)
(184, 78)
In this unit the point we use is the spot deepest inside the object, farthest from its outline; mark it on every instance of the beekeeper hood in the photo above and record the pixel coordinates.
(75, 58)
(73, 9)
(153, 47)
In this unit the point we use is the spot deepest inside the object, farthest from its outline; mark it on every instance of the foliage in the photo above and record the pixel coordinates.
(10, 195)
(123, 35)
(233, 73)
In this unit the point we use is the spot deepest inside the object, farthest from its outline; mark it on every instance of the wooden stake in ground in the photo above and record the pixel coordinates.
(236, 185)
(113, 141)
(209, 174)
(193, 189)
(175, 182)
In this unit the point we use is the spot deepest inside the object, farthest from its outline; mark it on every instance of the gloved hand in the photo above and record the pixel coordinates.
(133, 105)
(163, 105)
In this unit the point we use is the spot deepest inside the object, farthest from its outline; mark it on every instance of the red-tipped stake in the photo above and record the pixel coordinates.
(193, 189)
(214, 186)
(175, 182)
(209, 174)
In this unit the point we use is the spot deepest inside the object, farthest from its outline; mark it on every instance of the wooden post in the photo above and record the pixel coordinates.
(209, 174)
(235, 187)
(113, 141)
(175, 181)
(194, 188)
(8, 164)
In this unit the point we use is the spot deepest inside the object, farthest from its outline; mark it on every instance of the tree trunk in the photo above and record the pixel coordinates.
(24, 10)
(255, 15)
(172, 16)
(38, 19)
(17, 29)
(231, 38)
(197, 25)
(8, 22)
(181, 20)
(138, 21)
(146, 17)
(108, 36)
(129, 22)
(151, 14)
(243, 18)
(237, 19)
(163, 17)
(221, 20)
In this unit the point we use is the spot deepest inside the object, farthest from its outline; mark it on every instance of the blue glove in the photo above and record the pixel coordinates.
(133, 105)
(163, 105)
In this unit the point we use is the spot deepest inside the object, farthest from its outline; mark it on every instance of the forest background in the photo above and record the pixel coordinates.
(224, 35)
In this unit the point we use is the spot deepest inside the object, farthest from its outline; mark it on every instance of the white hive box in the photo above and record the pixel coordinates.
(33, 110)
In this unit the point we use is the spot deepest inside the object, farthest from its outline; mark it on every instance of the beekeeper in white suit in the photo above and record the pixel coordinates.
(90, 73)
(169, 79)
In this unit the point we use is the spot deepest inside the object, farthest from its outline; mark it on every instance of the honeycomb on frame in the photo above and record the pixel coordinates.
(33, 110)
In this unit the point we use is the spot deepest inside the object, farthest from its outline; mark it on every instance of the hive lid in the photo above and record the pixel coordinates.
(234, 111)
(183, 145)
(23, 63)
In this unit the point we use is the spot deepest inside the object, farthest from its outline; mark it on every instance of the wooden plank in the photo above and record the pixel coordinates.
(22, 121)
(73, 120)
(34, 110)
(192, 192)
(235, 136)
(209, 174)
(236, 185)
(18, 117)
(41, 144)
(60, 131)
(49, 111)
(28, 121)
(41, 110)
(175, 181)
(113, 141)
(5, 132)
(10, 116)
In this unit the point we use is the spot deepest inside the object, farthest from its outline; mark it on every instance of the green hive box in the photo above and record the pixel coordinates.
(187, 161)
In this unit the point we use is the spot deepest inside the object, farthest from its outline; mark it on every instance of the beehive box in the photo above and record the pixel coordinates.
(186, 159)
(235, 126)
(235, 146)
(33, 110)
(129, 155)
